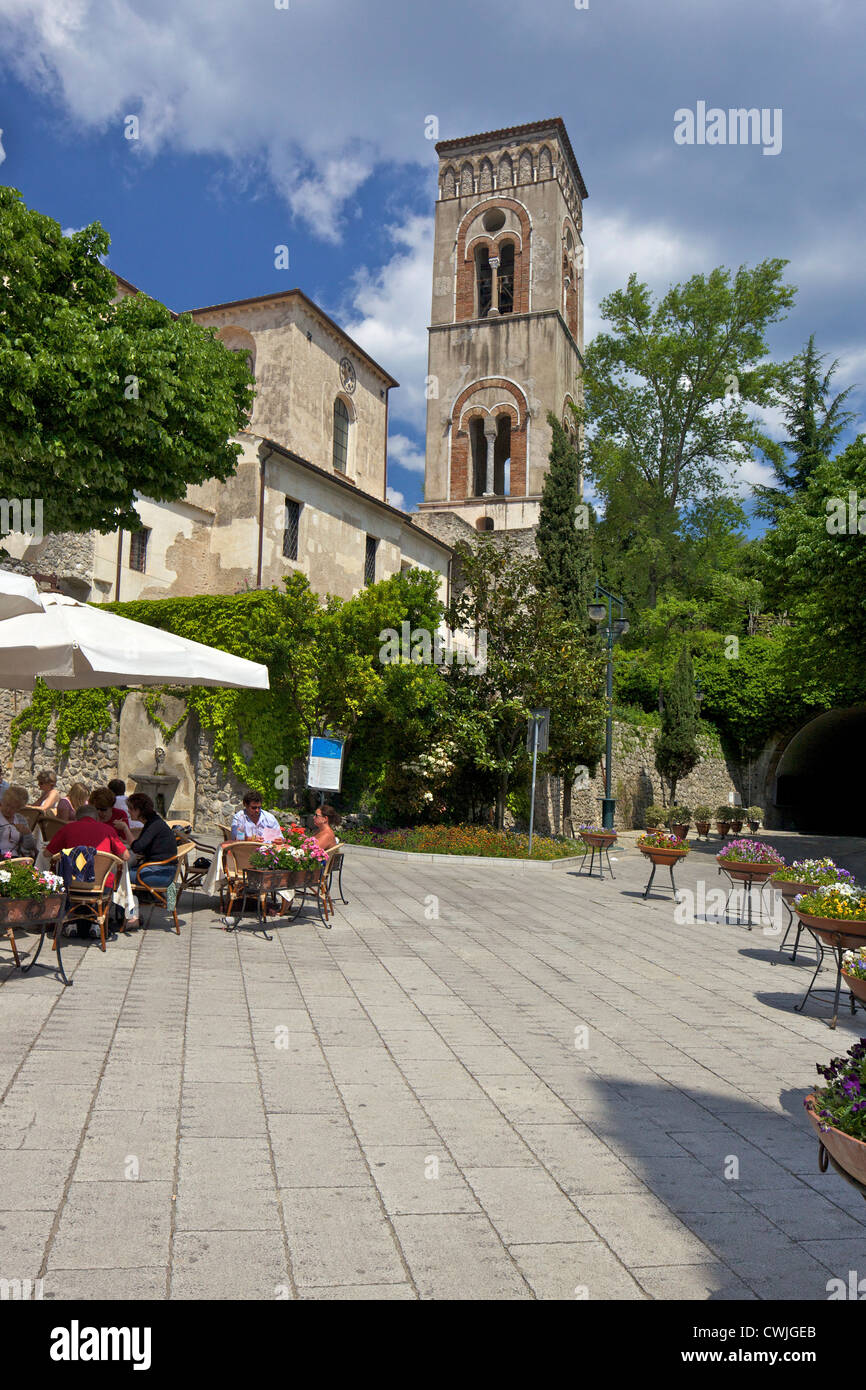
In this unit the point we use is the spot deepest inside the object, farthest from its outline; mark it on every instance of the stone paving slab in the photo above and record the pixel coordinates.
(553, 1090)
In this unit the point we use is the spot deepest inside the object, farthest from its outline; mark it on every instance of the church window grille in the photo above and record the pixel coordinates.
(138, 550)
(449, 183)
(545, 164)
(486, 181)
(467, 180)
(370, 560)
(341, 436)
(291, 530)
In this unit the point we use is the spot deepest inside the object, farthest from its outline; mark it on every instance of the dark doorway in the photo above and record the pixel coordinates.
(820, 775)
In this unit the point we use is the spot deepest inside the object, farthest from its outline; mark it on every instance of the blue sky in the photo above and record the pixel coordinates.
(305, 125)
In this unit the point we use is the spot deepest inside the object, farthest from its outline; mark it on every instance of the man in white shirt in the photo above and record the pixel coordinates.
(249, 823)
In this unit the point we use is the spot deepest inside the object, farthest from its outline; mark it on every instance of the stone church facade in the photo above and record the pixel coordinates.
(309, 493)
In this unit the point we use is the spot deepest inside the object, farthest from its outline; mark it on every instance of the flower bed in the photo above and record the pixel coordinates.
(750, 852)
(840, 902)
(463, 839)
(841, 1104)
(819, 872)
(660, 839)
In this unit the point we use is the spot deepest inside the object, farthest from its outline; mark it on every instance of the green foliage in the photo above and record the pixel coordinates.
(564, 548)
(665, 396)
(79, 713)
(677, 750)
(107, 400)
(152, 700)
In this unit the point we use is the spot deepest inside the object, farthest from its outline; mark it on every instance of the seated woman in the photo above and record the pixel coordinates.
(156, 841)
(48, 793)
(69, 805)
(103, 799)
(325, 822)
(15, 836)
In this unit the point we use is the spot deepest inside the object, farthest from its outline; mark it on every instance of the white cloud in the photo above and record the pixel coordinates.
(658, 254)
(388, 314)
(395, 498)
(405, 452)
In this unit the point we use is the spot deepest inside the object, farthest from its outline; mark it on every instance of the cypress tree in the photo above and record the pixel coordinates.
(677, 749)
(564, 546)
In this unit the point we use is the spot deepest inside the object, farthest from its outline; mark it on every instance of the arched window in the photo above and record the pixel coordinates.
(467, 180)
(502, 457)
(506, 173)
(341, 435)
(501, 480)
(545, 164)
(449, 182)
(485, 183)
(524, 174)
(484, 282)
(506, 277)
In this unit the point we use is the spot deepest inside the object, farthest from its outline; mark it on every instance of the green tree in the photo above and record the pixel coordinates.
(666, 391)
(814, 423)
(562, 540)
(103, 401)
(677, 750)
(534, 657)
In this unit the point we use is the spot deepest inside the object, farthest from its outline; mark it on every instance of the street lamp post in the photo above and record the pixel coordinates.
(615, 628)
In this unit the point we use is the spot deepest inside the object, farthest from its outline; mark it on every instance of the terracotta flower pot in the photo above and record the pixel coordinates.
(598, 839)
(789, 889)
(744, 872)
(754, 826)
(849, 1153)
(23, 913)
(835, 932)
(723, 826)
(703, 827)
(681, 831)
(856, 985)
(664, 857)
(268, 880)
(736, 826)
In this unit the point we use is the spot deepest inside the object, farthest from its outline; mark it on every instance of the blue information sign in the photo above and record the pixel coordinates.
(325, 765)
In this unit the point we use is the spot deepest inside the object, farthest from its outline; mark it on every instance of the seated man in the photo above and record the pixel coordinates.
(87, 829)
(249, 823)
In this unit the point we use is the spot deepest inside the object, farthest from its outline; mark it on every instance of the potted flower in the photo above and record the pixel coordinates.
(29, 897)
(596, 835)
(836, 914)
(837, 1112)
(663, 848)
(737, 815)
(678, 820)
(723, 819)
(654, 816)
(292, 863)
(703, 815)
(805, 874)
(754, 814)
(749, 860)
(854, 971)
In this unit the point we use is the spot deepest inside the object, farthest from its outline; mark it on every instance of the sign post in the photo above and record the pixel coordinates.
(537, 740)
(325, 763)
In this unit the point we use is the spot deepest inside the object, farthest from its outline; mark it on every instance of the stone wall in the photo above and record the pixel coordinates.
(90, 760)
(636, 784)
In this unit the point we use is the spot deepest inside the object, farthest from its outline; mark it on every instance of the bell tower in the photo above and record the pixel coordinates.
(506, 329)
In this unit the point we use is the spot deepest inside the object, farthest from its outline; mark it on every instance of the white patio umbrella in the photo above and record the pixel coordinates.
(18, 594)
(74, 646)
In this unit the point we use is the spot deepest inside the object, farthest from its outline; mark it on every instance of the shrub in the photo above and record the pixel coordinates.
(654, 815)
(678, 815)
(703, 813)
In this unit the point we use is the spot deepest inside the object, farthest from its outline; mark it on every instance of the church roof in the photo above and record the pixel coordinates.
(314, 308)
(516, 131)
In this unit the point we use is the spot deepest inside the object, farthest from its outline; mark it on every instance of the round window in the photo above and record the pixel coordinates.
(493, 220)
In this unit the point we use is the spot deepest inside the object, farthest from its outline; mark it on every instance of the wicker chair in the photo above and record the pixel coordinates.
(159, 891)
(94, 899)
(49, 824)
(236, 856)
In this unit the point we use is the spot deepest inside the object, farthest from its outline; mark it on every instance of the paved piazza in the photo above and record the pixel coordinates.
(480, 1084)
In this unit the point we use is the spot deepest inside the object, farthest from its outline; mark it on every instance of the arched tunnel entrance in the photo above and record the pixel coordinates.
(821, 775)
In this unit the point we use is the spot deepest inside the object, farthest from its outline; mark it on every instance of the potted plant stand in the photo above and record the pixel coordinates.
(723, 826)
(597, 842)
(741, 871)
(666, 858)
(840, 934)
(788, 890)
(843, 1151)
(42, 914)
(855, 985)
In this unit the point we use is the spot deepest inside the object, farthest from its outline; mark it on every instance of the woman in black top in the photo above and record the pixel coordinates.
(156, 841)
